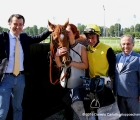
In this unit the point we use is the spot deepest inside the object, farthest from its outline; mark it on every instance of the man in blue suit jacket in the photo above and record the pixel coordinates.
(127, 79)
(13, 84)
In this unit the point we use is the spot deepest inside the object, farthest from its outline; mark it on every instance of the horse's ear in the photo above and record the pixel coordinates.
(52, 26)
(67, 22)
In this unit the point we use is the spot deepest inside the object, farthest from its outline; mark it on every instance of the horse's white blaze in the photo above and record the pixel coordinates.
(62, 36)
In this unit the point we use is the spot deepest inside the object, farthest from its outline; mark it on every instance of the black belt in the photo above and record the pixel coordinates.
(21, 72)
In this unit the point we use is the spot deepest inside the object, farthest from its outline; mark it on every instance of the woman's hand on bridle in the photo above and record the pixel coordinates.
(61, 51)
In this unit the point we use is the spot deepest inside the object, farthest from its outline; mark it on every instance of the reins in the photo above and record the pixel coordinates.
(57, 80)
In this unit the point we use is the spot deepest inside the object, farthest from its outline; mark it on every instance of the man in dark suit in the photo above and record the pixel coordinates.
(127, 80)
(13, 81)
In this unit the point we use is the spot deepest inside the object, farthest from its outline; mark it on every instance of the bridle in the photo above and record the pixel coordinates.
(53, 48)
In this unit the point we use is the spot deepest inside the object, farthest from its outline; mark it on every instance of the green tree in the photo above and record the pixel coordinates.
(40, 30)
(81, 28)
(107, 32)
(126, 30)
(137, 34)
(35, 30)
(27, 30)
(137, 28)
(102, 30)
(1, 29)
(31, 31)
(132, 28)
(111, 31)
(117, 29)
(44, 28)
(5, 29)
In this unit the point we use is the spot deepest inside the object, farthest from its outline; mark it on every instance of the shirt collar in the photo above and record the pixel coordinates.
(12, 35)
(125, 54)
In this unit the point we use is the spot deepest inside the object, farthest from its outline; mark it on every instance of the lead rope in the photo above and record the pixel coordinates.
(57, 80)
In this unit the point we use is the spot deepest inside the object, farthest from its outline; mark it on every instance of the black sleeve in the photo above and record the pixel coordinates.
(111, 57)
(36, 38)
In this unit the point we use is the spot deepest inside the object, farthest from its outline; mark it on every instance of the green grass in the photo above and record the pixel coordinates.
(114, 43)
(46, 40)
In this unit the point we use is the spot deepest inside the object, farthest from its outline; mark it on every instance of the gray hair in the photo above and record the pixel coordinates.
(130, 36)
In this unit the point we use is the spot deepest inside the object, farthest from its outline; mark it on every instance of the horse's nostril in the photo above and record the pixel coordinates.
(69, 59)
(67, 63)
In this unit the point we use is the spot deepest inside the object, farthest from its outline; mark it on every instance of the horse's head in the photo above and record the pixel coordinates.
(59, 38)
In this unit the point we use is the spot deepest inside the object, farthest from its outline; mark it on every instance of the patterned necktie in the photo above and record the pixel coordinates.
(16, 63)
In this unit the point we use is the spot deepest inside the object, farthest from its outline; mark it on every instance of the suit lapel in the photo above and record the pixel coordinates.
(7, 43)
(23, 42)
(131, 58)
(117, 61)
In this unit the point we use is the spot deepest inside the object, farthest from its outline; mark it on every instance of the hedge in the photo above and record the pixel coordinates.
(118, 49)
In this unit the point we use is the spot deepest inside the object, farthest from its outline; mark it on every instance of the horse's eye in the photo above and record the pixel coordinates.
(63, 30)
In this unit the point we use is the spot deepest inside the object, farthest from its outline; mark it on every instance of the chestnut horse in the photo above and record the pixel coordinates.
(59, 38)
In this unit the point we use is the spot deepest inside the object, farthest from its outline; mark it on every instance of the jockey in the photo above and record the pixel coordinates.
(101, 60)
(99, 53)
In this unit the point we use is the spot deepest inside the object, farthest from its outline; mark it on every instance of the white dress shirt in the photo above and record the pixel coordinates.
(12, 42)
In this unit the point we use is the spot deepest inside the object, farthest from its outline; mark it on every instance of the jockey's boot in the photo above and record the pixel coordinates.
(78, 107)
